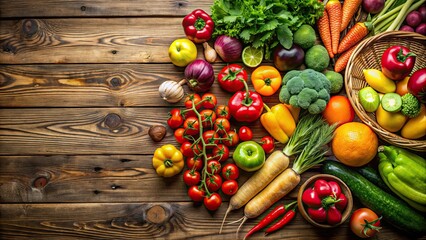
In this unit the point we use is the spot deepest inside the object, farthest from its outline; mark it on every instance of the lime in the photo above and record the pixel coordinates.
(252, 57)
(369, 99)
(391, 102)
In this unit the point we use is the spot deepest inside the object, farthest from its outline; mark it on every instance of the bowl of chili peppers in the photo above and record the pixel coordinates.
(325, 201)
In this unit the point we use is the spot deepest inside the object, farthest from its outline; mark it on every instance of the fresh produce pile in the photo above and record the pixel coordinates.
(309, 121)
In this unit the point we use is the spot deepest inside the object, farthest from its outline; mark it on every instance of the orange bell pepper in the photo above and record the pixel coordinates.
(266, 80)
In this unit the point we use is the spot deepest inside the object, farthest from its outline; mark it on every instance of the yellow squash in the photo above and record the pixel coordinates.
(377, 80)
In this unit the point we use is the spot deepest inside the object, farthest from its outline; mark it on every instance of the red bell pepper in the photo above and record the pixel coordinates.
(231, 76)
(245, 106)
(325, 202)
(397, 62)
(198, 26)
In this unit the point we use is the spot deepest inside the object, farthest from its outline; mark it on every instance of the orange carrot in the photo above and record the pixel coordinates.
(355, 35)
(348, 11)
(334, 11)
(324, 31)
(343, 60)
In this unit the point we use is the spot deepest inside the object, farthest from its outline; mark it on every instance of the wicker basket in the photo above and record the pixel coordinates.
(368, 55)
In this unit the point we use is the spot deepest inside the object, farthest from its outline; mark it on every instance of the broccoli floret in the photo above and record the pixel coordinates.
(325, 82)
(306, 97)
(323, 94)
(294, 101)
(317, 107)
(284, 95)
(410, 105)
(295, 85)
(290, 75)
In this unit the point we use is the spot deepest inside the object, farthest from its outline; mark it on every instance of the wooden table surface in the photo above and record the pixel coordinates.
(78, 93)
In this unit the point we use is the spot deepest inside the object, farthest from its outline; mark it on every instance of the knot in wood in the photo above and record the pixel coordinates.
(115, 82)
(156, 214)
(83, 8)
(29, 27)
(40, 182)
(112, 121)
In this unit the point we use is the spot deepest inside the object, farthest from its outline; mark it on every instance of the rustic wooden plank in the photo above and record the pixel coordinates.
(107, 8)
(40, 131)
(94, 85)
(173, 220)
(92, 178)
(94, 40)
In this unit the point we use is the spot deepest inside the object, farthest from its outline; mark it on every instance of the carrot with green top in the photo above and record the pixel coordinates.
(323, 25)
(348, 11)
(354, 36)
(334, 11)
(343, 60)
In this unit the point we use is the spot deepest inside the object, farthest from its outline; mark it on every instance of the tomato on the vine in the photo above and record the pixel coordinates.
(191, 177)
(188, 150)
(222, 125)
(230, 171)
(195, 163)
(268, 144)
(245, 133)
(213, 166)
(194, 97)
(196, 193)
(179, 135)
(213, 201)
(223, 111)
(191, 125)
(231, 76)
(221, 152)
(232, 139)
(229, 187)
(175, 118)
(210, 137)
(208, 117)
(214, 182)
(210, 100)
(364, 223)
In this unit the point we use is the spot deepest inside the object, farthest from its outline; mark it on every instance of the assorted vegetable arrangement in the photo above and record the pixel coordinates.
(311, 120)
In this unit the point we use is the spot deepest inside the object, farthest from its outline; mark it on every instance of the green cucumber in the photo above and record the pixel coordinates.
(394, 211)
(373, 176)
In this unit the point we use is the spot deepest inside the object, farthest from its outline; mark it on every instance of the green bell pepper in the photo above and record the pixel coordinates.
(405, 174)
(249, 156)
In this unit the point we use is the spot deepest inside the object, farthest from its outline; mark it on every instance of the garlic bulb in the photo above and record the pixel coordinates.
(172, 91)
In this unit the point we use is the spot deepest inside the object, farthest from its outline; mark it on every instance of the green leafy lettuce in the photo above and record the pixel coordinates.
(264, 23)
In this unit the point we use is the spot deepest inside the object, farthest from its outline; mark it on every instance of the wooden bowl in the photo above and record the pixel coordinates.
(368, 55)
(345, 190)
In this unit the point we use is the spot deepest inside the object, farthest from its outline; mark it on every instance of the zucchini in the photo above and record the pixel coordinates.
(373, 176)
(394, 211)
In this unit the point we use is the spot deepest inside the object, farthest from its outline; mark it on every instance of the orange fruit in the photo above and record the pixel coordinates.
(354, 144)
(338, 110)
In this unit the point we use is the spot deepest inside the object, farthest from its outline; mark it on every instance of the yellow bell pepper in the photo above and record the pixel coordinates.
(279, 122)
(266, 80)
(167, 161)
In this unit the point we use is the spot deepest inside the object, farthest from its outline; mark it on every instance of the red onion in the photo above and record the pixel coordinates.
(199, 75)
(228, 48)
(422, 11)
(417, 84)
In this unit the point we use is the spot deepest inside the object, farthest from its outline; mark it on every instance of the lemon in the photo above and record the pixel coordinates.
(252, 57)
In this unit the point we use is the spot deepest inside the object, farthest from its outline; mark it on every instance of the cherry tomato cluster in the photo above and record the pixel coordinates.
(204, 131)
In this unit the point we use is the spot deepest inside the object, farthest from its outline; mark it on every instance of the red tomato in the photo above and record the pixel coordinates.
(221, 152)
(229, 187)
(338, 110)
(231, 76)
(210, 137)
(208, 117)
(213, 166)
(209, 100)
(223, 111)
(196, 193)
(191, 177)
(213, 202)
(214, 182)
(192, 126)
(358, 223)
(179, 135)
(233, 139)
(230, 171)
(175, 118)
(190, 151)
(245, 133)
(222, 125)
(268, 144)
(195, 163)
(194, 97)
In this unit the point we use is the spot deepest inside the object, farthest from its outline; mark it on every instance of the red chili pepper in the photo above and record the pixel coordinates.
(397, 62)
(274, 214)
(281, 223)
(245, 106)
(198, 26)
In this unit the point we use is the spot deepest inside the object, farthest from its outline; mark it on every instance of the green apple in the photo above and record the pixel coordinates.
(249, 156)
(182, 52)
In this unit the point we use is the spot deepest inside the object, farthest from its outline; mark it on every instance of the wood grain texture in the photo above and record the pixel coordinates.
(94, 40)
(107, 8)
(178, 220)
(92, 178)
